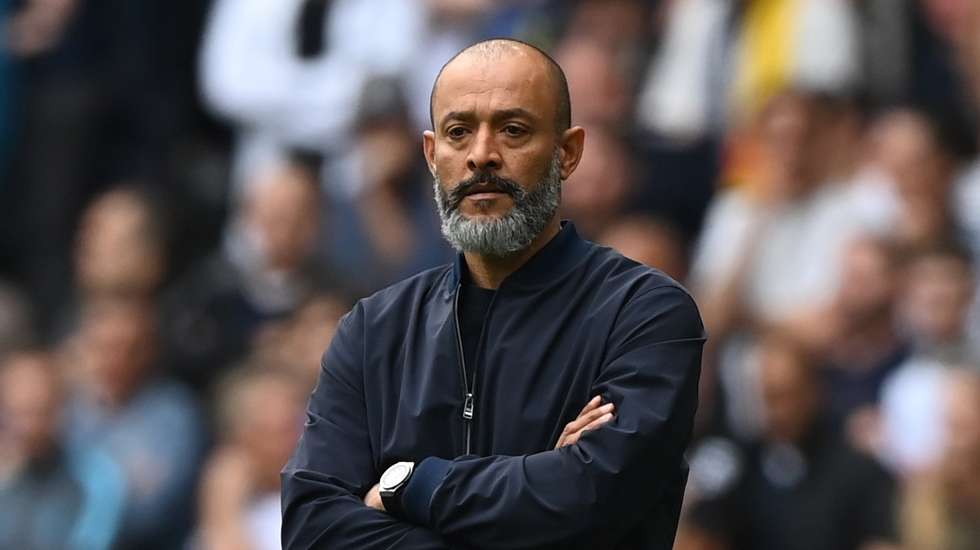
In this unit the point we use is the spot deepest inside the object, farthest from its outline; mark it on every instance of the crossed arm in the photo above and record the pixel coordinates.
(588, 491)
(594, 414)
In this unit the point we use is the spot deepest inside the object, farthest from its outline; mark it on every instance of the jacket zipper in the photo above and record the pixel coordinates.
(467, 394)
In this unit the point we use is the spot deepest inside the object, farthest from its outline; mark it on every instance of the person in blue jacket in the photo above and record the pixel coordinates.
(539, 392)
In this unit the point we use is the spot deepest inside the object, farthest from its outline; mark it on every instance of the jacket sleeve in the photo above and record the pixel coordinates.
(324, 482)
(591, 493)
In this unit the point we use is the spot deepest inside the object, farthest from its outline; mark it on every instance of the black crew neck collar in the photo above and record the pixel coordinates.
(563, 252)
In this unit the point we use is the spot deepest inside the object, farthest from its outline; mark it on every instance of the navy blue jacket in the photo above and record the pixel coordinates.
(577, 320)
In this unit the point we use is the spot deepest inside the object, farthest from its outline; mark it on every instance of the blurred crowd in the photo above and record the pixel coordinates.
(192, 193)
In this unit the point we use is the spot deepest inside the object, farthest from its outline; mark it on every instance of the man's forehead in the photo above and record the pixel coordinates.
(512, 79)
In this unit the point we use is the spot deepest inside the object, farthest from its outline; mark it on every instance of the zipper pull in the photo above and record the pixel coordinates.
(468, 407)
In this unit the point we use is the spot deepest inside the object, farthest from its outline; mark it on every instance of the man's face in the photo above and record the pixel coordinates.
(494, 152)
(788, 393)
(30, 404)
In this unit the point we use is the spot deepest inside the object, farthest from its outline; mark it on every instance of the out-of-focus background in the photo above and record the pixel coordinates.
(193, 192)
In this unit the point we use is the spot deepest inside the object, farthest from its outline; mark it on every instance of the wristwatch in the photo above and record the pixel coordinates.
(393, 483)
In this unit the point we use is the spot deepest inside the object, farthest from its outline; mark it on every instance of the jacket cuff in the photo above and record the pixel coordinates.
(421, 486)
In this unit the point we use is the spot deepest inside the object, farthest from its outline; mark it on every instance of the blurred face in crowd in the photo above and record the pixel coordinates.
(266, 415)
(388, 152)
(497, 152)
(595, 194)
(649, 242)
(311, 331)
(906, 149)
(788, 389)
(937, 298)
(599, 92)
(30, 403)
(296, 344)
(282, 213)
(118, 247)
(118, 344)
(870, 281)
(613, 23)
(788, 136)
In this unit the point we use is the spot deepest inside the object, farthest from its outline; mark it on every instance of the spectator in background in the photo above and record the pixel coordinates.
(860, 345)
(149, 425)
(649, 241)
(905, 190)
(722, 62)
(100, 104)
(769, 251)
(260, 413)
(264, 271)
(120, 244)
(769, 254)
(938, 292)
(935, 300)
(50, 497)
(120, 247)
(296, 344)
(798, 486)
(382, 227)
(596, 194)
(596, 83)
(942, 506)
(286, 74)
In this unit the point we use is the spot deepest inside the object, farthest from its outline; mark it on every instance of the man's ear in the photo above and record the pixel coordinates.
(572, 144)
(429, 150)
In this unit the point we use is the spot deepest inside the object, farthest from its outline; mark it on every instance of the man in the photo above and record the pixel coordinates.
(797, 487)
(453, 387)
(50, 496)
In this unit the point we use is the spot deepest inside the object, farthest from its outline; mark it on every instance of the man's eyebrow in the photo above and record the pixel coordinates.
(457, 115)
(516, 112)
(497, 116)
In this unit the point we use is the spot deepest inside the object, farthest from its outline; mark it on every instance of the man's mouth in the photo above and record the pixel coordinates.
(489, 194)
(481, 191)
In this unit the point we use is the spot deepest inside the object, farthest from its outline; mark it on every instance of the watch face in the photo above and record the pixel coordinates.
(396, 475)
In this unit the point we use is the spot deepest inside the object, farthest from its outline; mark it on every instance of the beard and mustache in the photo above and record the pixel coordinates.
(510, 233)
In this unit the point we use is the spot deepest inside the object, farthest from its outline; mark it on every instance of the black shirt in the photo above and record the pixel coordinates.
(822, 494)
(474, 303)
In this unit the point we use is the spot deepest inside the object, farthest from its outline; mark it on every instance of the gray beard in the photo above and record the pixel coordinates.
(512, 233)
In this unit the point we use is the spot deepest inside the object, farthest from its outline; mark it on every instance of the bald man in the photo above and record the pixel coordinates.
(538, 392)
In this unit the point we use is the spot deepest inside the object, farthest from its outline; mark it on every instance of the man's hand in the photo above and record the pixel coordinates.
(591, 417)
(373, 498)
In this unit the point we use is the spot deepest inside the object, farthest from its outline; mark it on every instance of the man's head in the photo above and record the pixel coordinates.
(31, 398)
(938, 290)
(790, 392)
(500, 146)
(121, 244)
(260, 411)
(281, 211)
(871, 266)
(117, 341)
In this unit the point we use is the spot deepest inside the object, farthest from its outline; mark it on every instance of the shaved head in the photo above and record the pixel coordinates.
(499, 48)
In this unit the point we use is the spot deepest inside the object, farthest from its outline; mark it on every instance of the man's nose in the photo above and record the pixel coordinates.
(484, 154)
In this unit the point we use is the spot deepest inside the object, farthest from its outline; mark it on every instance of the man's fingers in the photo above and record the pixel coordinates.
(597, 422)
(589, 418)
(584, 420)
(573, 438)
(591, 405)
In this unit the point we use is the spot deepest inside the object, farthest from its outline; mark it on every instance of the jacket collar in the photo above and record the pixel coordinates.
(562, 253)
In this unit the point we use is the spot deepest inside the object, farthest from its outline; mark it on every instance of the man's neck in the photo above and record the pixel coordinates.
(489, 272)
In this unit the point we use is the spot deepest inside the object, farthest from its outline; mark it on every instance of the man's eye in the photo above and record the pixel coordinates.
(514, 131)
(456, 132)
